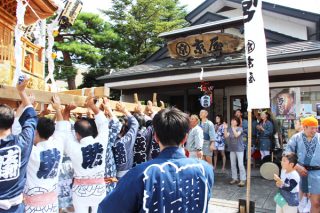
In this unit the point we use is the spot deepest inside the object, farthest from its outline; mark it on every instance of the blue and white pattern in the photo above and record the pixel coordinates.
(65, 183)
(170, 183)
(179, 191)
(111, 169)
(142, 145)
(88, 159)
(220, 140)
(49, 163)
(120, 154)
(155, 149)
(306, 156)
(10, 161)
(140, 149)
(14, 156)
(123, 148)
(92, 155)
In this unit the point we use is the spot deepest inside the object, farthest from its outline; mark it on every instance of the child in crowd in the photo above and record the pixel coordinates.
(288, 185)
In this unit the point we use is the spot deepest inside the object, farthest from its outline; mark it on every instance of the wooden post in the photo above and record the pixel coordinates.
(162, 105)
(249, 161)
(11, 93)
(154, 99)
(135, 98)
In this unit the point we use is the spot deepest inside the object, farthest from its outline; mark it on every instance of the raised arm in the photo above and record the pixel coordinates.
(62, 126)
(102, 122)
(114, 125)
(132, 121)
(56, 105)
(25, 101)
(28, 119)
(236, 132)
(225, 129)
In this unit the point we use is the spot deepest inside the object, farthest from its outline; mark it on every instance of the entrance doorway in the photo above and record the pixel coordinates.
(238, 102)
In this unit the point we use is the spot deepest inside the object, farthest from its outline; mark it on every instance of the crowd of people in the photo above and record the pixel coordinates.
(98, 163)
(145, 161)
(300, 177)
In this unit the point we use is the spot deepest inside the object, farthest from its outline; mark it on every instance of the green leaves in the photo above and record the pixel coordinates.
(129, 38)
(140, 22)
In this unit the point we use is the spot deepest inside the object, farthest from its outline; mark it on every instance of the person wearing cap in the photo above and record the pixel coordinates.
(306, 144)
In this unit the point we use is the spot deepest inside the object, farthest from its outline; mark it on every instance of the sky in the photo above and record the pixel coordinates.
(308, 5)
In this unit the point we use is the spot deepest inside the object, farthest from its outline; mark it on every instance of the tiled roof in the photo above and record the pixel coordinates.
(277, 52)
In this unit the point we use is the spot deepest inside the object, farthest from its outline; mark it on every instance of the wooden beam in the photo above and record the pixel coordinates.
(154, 99)
(98, 91)
(135, 98)
(11, 93)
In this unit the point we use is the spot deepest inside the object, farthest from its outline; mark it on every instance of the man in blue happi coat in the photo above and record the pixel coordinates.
(15, 152)
(169, 183)
(306, 144)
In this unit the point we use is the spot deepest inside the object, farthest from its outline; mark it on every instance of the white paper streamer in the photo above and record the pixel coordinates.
(18, 33)
(50, 28)
(201, 74)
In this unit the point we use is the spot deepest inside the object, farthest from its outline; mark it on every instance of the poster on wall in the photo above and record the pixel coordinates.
(283, 105)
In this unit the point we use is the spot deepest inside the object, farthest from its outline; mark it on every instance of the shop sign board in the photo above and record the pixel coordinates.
(202, 45)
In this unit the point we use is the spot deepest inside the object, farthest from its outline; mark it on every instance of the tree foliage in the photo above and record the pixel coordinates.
(139, 22)
(89, 42)
(127, 39)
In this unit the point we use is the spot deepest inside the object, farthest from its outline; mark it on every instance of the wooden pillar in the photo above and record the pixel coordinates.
(225, 105)
(185, 100)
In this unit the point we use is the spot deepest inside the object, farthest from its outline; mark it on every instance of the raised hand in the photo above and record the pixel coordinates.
(32, 99)
(149, 109)
(56, 102)
(162, 105)
(90, 102)
(225, 125)
(138, 109)
(106, 105)
(45, 111)
(120, 107)
(22, 86)
(56, 105)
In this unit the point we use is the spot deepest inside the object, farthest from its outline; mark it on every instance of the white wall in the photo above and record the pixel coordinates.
(280, 24)
(276, 22)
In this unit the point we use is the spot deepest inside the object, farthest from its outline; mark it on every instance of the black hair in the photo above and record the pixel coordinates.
(236, 119)
(221, 118)
(140, 119)
(94, 127)
(148, 123)
(171, 126)
(292, 158)
(83, 128)
(45, 127)
(6, 117)
(125, 126)
(237, 111)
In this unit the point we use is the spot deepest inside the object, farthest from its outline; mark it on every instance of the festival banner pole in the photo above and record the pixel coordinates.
(257, 72)
(249, 161)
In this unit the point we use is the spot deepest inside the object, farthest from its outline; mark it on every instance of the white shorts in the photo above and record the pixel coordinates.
(219, 147)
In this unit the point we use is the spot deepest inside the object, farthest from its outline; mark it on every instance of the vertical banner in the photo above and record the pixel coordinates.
(256, 55)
